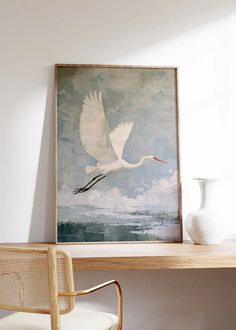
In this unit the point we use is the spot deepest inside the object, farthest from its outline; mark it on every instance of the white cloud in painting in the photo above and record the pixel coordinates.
(162, 195)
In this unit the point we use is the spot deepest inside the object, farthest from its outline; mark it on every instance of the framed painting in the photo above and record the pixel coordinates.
(118, 177)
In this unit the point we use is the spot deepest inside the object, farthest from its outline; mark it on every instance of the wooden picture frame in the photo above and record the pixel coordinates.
(117, 154)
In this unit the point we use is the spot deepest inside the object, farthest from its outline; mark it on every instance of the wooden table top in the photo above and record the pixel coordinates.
(146, 255)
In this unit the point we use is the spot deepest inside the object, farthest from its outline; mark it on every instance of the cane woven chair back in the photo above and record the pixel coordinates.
(24, 280)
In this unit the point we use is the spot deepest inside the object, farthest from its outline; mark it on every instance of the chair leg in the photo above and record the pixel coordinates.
(55, 319)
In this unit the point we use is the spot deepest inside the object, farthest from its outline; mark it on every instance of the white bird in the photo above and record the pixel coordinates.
(104, 146)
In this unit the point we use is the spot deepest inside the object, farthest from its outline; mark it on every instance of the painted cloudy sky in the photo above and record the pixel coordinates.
(146, 97)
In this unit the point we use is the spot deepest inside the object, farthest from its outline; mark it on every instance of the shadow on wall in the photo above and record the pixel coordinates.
(43, 211)
(139, 24)
(167, 299)
(136, 26)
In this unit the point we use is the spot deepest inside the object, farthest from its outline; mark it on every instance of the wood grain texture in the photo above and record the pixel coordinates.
(146, 256)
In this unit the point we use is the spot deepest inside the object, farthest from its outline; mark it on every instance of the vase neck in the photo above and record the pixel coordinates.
(208, 194)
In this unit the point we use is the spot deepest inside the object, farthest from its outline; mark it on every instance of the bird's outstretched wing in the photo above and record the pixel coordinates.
(119, 136)
(94, 131)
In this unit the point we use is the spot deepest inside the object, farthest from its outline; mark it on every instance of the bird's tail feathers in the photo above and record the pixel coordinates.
(90, 169)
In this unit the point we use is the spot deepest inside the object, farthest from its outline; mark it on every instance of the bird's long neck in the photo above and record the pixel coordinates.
(138, 163)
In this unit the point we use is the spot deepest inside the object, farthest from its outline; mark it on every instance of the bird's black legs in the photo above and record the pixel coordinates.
(89, 185)
(102, 177)
(78, 190)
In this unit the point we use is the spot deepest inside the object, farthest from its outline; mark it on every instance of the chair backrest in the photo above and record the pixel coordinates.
(24, 280)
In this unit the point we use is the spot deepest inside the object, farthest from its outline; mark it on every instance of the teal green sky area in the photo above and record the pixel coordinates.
(145, 96)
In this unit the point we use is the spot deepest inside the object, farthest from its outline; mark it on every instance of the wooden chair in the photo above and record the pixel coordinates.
(35, 282)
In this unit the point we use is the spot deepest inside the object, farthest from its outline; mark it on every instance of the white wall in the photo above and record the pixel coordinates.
(198, 37)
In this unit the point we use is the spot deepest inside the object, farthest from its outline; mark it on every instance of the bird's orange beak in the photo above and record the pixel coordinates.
(160, 160)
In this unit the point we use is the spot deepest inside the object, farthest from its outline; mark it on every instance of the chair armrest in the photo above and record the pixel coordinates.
(98, 287)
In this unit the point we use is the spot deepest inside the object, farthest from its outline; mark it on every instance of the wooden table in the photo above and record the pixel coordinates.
(147, 255)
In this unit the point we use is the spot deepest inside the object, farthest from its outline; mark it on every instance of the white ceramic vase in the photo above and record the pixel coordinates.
(204, 225)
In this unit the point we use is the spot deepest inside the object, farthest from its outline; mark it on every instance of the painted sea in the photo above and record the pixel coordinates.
(88, 224)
